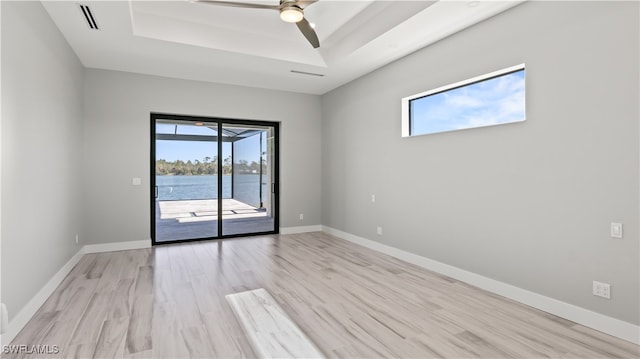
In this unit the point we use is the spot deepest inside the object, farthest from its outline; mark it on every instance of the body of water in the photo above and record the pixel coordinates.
(245, 188)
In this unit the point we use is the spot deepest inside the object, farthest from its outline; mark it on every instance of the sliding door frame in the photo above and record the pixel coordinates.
(220, 122)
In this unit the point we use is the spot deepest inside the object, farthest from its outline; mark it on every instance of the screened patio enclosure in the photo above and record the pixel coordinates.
(212, 178)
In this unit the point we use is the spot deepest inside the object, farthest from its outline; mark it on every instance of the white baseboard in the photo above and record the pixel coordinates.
(597, 321)
(27, 312)
(117, 246)
(301, 229)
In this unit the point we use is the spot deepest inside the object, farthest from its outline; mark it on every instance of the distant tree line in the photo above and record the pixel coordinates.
(208, 166)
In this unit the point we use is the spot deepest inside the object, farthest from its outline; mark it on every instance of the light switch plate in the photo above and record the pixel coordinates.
(616, 230)
(602, 289)
(136, 181)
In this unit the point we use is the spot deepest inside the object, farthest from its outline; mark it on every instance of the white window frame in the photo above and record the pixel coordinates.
(406, 120)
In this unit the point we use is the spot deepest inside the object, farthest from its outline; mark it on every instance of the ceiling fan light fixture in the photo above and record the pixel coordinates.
(291, 14)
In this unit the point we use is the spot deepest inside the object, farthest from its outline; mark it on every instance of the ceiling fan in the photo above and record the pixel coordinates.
(290, 11)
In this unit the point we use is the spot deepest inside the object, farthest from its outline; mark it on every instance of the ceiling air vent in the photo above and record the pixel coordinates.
(307, 73)
(88, 16)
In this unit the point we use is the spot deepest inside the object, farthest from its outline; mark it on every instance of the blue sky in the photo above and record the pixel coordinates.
(490, 102)
(247, 149)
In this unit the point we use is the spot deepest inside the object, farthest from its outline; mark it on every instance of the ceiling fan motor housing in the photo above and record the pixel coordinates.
(291, 13)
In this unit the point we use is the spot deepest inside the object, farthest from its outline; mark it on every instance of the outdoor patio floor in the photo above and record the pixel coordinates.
(193, 219)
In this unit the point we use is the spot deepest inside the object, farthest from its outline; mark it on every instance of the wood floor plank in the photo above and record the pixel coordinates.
(197, 342)
(110, 277)
(167, 332)
(187, 306)
(179, 268)
(272, 333)
(121, 301)
(169, 302)
(36, 331)
(90, 324)
(58, 334)
(140, 325)
(141, 355)
(62, 295)
(226, 336)
(79, 351)
(112, 338)
(97, 268)
(204, 294)
(621, 347)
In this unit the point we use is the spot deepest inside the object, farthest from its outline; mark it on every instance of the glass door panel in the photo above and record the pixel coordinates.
(186, 185)
(249, 157)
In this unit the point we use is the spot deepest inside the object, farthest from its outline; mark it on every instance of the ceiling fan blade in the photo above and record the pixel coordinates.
(237, 4)
(308, 32)
(304, 3)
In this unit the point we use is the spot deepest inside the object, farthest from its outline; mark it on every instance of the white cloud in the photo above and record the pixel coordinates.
(491, 102)
(462, 101)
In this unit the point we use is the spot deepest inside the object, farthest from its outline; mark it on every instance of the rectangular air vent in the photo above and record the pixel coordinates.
(88, 16)
(306, 73)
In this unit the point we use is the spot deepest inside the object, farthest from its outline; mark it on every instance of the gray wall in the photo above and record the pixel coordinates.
(528, 204)
(116, 140)
(41, 140)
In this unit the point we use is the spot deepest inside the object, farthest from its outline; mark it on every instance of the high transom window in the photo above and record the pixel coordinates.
(492, 99)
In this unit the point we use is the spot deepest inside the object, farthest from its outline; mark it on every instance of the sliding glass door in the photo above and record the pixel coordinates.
(212, 178)
(186, 188)
(250, 158)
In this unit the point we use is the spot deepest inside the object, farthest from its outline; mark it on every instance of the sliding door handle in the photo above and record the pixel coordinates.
(156, 191)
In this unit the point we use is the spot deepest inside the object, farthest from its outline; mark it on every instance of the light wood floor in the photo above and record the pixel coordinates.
(169, 301)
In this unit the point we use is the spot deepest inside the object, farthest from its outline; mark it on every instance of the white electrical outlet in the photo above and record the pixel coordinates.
(301, 216)
(373, 198)
(136, 181)
(602, 289)
(379, 231)
(76, 239)
(616, 230)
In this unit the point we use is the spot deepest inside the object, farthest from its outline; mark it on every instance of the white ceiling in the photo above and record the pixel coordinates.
(253, 47)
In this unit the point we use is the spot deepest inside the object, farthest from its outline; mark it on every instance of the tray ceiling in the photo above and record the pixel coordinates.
(253, 47)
